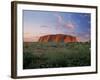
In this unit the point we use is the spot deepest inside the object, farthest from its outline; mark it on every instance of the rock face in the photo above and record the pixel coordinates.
(57, 38)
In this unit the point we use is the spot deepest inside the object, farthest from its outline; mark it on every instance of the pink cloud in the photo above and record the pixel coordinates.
(70, 25)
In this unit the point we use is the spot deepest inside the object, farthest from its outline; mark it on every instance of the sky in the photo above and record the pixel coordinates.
(39, 23)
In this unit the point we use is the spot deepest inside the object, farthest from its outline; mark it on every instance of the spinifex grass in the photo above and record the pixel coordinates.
(52, 55)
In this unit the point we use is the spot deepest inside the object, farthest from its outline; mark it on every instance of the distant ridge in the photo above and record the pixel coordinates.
(57, 38)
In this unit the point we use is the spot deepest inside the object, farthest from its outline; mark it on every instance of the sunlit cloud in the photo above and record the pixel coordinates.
(70, 25)
(66, 24)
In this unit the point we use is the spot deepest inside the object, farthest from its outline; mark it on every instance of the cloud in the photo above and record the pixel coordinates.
(83, 37)
(43, 33)
(69, 25)
(44, 26)
(59, 18)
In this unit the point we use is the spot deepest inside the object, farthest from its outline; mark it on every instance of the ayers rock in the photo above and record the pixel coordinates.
(58, 38)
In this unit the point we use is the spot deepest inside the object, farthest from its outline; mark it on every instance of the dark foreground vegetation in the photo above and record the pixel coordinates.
(52, 55)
